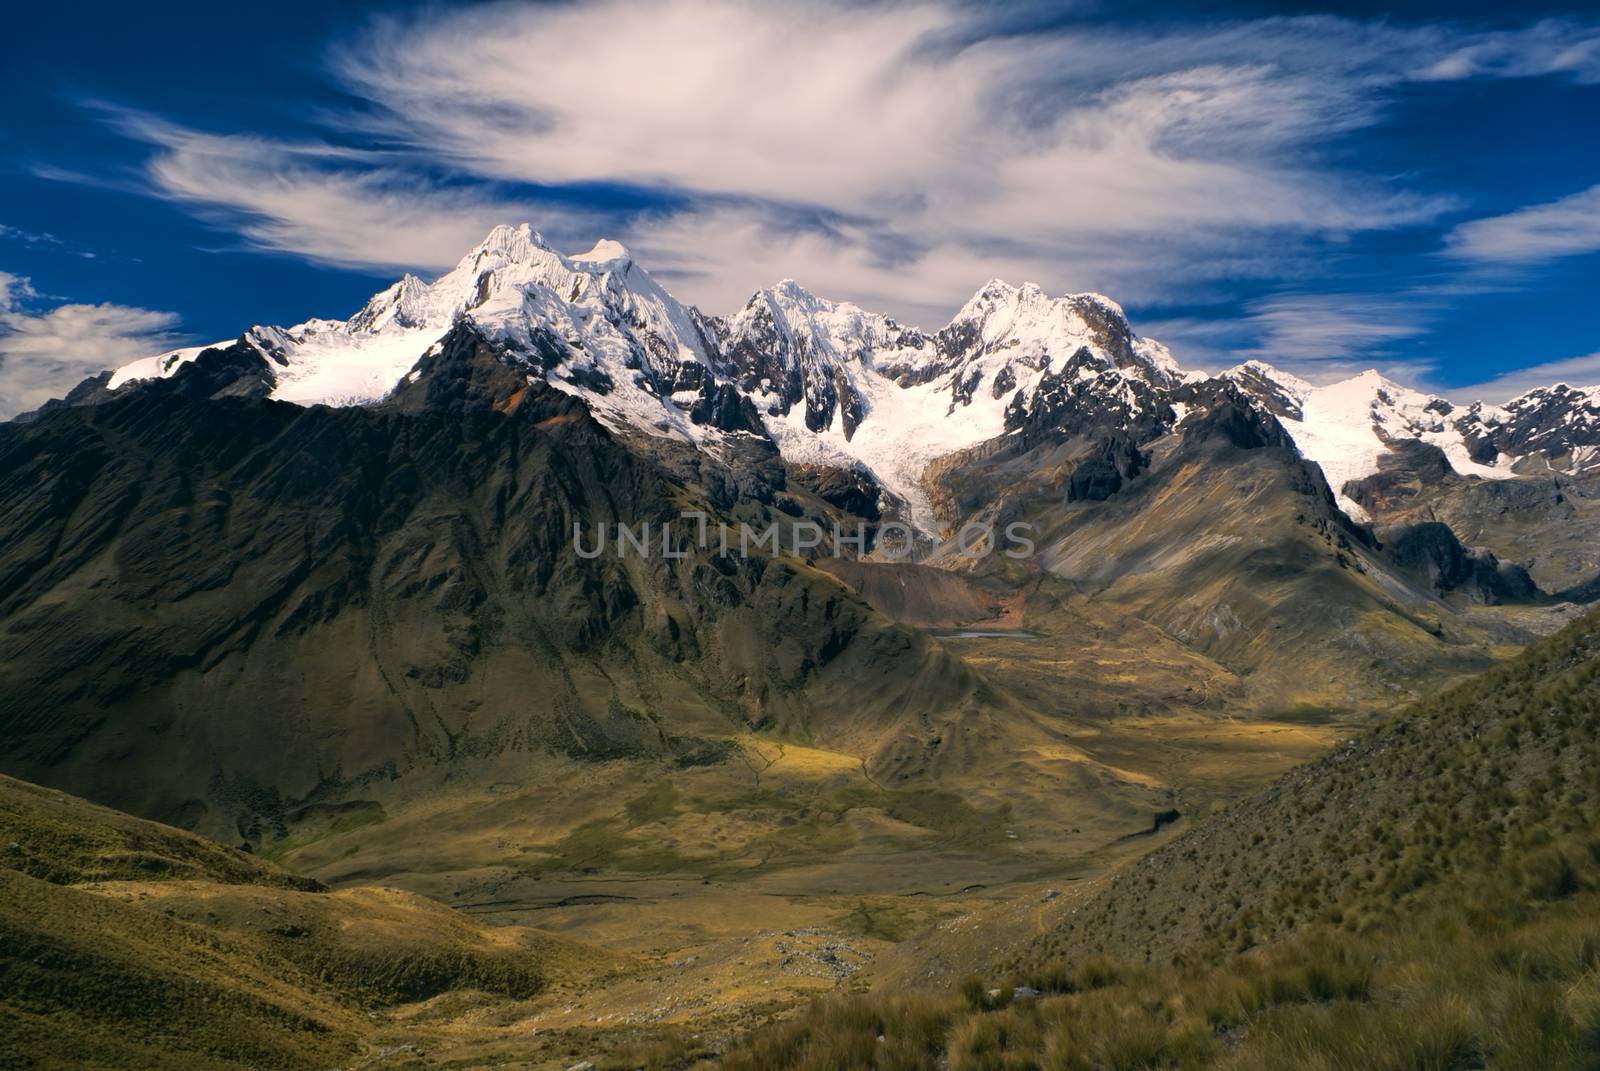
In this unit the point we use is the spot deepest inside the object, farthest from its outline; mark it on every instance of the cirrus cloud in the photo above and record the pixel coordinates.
(44, 353)
(905, 130)
(890, 145)
(891, 154)
(1575, 371)
(1566, 227)
(333, 204)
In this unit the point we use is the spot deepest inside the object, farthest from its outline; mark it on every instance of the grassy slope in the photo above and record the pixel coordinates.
(1425, 897)
(1486, 776)
(128, 944)
(65, 840)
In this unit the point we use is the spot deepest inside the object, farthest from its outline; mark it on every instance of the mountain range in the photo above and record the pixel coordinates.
(829, 383)
(310, 564)
(418, 611)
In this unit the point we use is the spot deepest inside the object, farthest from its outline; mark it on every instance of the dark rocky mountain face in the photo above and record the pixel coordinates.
(1432, 550)
(1215, 531)
(235, 370)
(1083, 398)
(1273, 395)
(1558, 422)
(1546, 523)
(767, 354)
(215, 609)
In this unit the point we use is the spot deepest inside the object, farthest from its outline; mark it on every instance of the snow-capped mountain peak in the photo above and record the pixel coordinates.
(507, 243)
(827, 381)
(1349, 426)
(1286, 387)
(607, 255)
(404, 305)
(1029, 327)
(1561, 423)
(833, 384)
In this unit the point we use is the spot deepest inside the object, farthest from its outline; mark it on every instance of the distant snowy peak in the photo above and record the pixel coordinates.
(403, 305)
(789, 348)
(826, 381)
(1559, 424)
(1280, 393)
(513, 282)
(640, 356)
(617, 336)
(1005, 326)
(837, 385)
(1349, 427)
(159, 366)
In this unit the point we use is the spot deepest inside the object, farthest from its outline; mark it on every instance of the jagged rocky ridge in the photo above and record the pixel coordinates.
(835, 386)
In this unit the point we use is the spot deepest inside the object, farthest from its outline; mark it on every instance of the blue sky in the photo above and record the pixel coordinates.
(1325, 187)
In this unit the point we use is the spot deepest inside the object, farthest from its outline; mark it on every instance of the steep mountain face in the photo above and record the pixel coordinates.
(1354, 428)
(1561, 424)
(843, 388)
(1516, 480)
(215, 610)
(1198, 516)
(1348, 428)
(1546, 521)
(787, 347)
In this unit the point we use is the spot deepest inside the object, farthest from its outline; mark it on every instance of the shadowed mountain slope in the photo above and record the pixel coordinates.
(1216, 532)
(217, 610)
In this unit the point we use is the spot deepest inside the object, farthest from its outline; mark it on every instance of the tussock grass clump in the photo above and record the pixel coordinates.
(1446, 992)
(888, 1034)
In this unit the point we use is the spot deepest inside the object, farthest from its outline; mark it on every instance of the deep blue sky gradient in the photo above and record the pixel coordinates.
(1494, 145)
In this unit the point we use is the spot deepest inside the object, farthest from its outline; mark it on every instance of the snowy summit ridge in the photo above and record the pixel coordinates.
(833, 384)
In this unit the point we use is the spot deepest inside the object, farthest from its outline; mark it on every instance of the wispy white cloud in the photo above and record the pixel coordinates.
(44, 240)
(911, 138)
(1331, 327)
(895, 155)
(1577, 371)
(718, 255)
(13, 289)
(1321, 337)
(871, 111)
(908, 129)
(1548, 47)
(46, 352)
(1533, 234)
(17, 234)
(328, 203)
